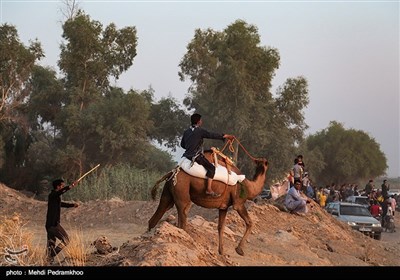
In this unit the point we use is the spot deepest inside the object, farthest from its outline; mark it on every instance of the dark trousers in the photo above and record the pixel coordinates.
(207, 165)
(52, 234)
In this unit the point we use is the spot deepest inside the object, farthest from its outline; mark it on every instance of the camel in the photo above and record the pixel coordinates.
(190, 189)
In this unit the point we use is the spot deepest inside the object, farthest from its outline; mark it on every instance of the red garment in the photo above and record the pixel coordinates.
(375, 210)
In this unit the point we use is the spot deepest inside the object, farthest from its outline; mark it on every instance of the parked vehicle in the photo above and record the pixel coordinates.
(358, 199)
(357, 216)
(394, 192)
(265, 194)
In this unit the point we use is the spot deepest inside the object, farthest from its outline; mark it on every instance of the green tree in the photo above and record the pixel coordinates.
(349, 154)
(90, 57)
(53, 126)
(169, 122)
(121, 124)
(231, 76)
(47, 96)
(16, 64)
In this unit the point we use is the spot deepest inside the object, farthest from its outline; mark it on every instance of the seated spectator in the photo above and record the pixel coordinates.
(375, 208)
(379, 197)
(310, 191)
(294, 202)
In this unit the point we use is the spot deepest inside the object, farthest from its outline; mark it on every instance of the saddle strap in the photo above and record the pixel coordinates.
(227, 160)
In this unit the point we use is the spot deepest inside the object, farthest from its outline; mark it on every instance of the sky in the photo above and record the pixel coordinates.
(347, 50)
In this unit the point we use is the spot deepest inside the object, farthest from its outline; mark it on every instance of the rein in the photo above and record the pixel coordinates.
(232, 149)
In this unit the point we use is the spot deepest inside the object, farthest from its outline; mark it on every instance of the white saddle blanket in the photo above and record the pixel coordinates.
(221, 173)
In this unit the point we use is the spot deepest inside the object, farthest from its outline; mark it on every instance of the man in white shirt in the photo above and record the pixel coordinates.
(294, 202)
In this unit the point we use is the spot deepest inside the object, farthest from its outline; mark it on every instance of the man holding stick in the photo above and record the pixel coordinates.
(53, 226)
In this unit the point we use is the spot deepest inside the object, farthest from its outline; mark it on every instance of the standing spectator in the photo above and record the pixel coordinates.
(393, 203)
(356, 192)
(349, 190)
(305, 183)
(384, 206)
(297, 170)
(385, 188)
(301, 162)
(333, 196)
(369, 187)
(317, 194)
(322, 197)
(342, 192)
(388, 216)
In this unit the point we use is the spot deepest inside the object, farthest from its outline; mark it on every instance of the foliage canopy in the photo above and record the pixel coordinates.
(53, 126)
(349, 155)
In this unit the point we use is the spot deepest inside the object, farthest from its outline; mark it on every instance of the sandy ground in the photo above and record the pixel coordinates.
(277, 238)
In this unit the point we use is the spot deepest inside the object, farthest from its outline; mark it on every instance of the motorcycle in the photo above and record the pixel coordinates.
(388, 224)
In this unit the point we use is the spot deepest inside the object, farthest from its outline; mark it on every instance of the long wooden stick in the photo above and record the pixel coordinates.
(91, 170)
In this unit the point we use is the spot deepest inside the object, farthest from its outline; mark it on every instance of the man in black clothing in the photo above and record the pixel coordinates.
(385, 188)
(192, 142)
(53, 226)
(369, 187)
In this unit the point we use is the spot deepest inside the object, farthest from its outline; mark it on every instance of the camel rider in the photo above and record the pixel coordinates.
(192, 142)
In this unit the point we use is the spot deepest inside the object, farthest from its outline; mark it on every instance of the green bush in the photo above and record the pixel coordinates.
(122, 181)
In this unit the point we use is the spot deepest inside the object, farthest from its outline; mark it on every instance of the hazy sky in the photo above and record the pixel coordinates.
(347, 50)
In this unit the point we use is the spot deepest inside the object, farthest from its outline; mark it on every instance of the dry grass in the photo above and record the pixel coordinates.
(76, 250)
(17, 249)
(16, 243)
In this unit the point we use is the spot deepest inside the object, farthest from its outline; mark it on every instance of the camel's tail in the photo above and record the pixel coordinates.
(155, 187)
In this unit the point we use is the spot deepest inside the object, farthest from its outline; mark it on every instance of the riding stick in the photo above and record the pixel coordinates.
(84, 175)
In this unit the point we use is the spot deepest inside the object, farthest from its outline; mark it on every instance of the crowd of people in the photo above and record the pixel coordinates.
(382, 205)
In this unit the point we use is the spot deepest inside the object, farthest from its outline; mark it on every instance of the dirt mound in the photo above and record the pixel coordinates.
(278, 238)
(12, 201)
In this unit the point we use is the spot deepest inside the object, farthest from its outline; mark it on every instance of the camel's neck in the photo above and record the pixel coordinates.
(254, 188)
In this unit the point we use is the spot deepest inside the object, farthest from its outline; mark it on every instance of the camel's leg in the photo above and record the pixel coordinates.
(166, 203)
(242, 211)
(183, 210)
(221, 226)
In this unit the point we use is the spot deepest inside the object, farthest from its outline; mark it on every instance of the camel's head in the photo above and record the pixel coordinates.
(262, 166)
(261, 162)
